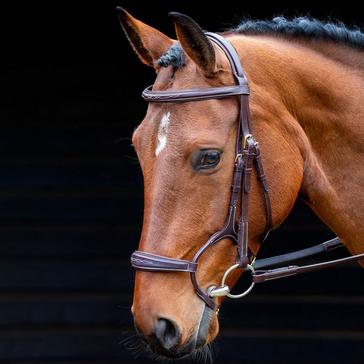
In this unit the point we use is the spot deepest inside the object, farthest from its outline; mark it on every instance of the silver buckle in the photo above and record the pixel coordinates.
(245, 140)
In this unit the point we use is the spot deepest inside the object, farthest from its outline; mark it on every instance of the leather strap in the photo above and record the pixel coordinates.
(195, 94)
(153, 262)
(264, 184)
(248, 155)
(267, 275)
(231, 55)
(245, 149)
(325, 247)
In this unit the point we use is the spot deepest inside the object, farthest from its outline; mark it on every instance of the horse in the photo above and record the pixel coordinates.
(306, 104)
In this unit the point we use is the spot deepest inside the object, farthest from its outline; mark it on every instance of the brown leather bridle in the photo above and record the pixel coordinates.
(247, 156)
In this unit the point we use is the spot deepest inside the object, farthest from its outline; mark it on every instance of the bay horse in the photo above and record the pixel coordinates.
(306, 82)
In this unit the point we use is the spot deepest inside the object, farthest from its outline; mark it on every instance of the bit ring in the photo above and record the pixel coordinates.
(226, 274)
(224, 290)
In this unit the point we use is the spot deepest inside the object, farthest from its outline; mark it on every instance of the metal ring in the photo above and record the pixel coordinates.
(233, 267)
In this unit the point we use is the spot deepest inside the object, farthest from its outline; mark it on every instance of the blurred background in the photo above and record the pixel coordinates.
(71, 198)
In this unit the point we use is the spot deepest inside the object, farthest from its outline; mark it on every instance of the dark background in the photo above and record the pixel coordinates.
(71, 198)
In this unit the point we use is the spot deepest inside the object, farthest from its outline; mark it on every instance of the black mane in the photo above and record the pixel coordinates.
(301, 27)
(304, 27)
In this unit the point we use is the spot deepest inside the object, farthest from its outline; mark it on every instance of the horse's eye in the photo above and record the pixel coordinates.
(206, 159)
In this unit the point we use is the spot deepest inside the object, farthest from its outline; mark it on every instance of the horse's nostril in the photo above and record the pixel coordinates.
(167, 333)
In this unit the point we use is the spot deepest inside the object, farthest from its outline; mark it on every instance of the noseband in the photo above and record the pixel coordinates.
(246, 158)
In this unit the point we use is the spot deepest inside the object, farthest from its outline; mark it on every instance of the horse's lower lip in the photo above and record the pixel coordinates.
(174, 353)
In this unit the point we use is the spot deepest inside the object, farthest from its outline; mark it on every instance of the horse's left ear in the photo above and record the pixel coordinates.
(148, 43)
(194, 42)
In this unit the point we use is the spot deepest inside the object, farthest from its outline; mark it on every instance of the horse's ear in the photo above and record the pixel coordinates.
(194, 42)
(148, 43)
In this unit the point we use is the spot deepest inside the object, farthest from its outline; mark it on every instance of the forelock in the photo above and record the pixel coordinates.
(173, 57)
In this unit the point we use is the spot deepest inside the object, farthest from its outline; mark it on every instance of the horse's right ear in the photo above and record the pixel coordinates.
(148, 43)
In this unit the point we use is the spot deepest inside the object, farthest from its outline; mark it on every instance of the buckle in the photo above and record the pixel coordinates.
(245, 140)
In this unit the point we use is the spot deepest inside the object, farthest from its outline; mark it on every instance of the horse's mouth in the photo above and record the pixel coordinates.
(196, 349)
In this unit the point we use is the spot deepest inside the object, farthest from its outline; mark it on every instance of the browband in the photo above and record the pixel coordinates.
(194, 94)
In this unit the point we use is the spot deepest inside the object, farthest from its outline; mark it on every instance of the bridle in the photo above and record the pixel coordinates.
(247, 151)
(246, 158)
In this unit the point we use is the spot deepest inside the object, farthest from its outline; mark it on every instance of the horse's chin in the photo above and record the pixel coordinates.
(178, 352)
(202, 354)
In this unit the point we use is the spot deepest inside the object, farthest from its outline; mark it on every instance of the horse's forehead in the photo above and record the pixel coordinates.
(186, 76)
(188, 119)
(170, 123)
(171, 126)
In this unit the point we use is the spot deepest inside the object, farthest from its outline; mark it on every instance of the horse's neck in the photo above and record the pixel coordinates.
(331, 114)
(323, 100)
(351, 57)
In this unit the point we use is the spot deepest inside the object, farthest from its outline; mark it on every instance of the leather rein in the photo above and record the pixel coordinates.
(247, 157)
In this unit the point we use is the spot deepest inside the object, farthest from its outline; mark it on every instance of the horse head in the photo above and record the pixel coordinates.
(187, 153)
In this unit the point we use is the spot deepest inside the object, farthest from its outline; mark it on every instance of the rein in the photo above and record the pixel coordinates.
(247, 157)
